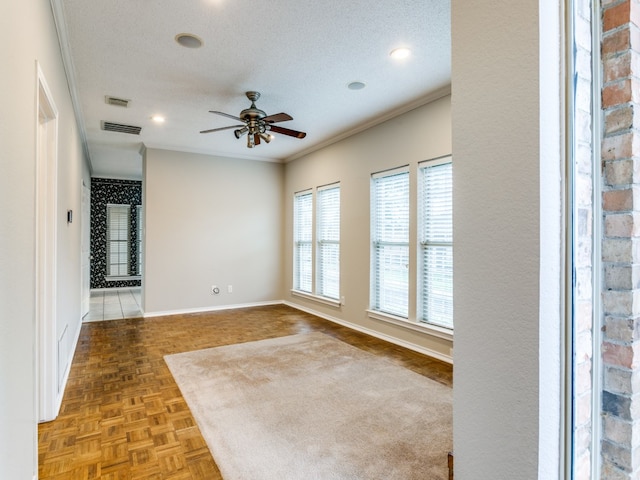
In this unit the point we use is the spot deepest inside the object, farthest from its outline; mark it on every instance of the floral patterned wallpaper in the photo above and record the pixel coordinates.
(121, 192)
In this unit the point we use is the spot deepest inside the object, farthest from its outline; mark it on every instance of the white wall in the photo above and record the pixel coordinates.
(210, 220)
(28, 34)
(498, 164)
(72, 171)
(418, 135)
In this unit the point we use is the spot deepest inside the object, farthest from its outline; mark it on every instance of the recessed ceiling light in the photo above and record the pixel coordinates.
(189, 40)
(158, 118)
(356, 85)
(400, 53)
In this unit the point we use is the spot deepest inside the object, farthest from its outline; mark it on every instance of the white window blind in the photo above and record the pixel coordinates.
(118, 240)
(328, 240)
(303, 231)
(139, 239)
(436, 243)
(390, 242)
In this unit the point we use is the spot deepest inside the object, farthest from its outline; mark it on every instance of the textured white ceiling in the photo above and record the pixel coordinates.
(299, 54)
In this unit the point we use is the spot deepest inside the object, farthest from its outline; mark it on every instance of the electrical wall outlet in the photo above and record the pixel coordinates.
(215, 290)
(229, 288)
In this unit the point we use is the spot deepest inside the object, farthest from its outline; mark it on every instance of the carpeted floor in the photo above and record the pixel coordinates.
(310, 406)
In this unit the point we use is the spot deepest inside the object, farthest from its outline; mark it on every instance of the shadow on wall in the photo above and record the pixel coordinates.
(104, 192)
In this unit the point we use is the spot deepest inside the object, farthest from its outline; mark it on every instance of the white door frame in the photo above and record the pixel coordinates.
(85, 243)
(46, 195)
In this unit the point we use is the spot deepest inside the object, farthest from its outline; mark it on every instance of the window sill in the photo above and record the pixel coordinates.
(316, 298)
(122, 278)
(432, 330)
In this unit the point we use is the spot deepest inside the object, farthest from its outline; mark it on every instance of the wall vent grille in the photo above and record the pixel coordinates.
(118, 102)
(118, 127)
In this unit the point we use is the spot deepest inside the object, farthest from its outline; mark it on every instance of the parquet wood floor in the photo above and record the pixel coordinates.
(122, 415)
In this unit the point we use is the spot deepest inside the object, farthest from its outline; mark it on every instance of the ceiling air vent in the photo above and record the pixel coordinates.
(118, 127)
(118, 102)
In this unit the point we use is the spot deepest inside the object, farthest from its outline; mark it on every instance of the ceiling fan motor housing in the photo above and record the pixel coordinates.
(252, 113)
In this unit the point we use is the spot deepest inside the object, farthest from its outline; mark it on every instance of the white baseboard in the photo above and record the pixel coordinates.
(65, 379)
(72, 351)
(374, 333)
(210, 308)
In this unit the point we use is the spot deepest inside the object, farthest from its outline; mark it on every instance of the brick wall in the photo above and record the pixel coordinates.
(621, 246)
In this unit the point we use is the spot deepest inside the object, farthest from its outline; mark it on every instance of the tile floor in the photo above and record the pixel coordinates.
(113, 304)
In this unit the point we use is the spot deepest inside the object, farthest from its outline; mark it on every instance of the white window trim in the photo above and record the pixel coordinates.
(430, 329)
(316, 298)
(318, 243)
(404, 169)
(313, 295)
(127, 207)
(296, 242)
(124, 278)
(139, 244)
(435, 162)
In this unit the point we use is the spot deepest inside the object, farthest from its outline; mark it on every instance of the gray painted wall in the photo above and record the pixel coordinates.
(210, 221)
(507, 220)
(421, 134)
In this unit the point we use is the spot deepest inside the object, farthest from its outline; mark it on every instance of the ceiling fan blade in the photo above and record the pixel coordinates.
(277, 117)
(221, 128)
(286, 131)
(226, 115)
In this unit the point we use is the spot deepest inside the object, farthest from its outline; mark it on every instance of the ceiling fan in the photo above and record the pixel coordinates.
(257, 124)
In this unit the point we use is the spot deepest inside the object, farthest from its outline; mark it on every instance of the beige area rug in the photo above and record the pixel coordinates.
(309, 406)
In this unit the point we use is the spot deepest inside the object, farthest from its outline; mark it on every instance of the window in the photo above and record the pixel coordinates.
(139, 239)
(316, 272)
(390, 242)
(436, 242)
(118, 240)
(302, 233)
(328, 241)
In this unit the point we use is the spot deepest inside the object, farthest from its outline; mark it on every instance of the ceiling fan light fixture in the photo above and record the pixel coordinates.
(267, 137)
(241, 131)
(188, 40)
